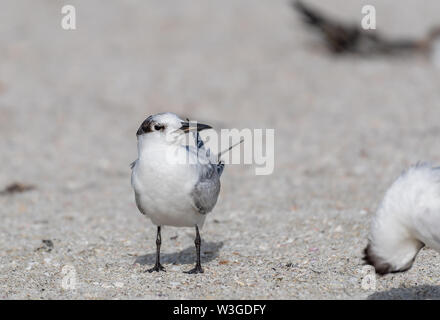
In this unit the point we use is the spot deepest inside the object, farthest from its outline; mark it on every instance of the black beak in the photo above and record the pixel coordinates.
(186, 126)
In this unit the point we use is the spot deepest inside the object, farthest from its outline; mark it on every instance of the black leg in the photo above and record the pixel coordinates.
(157, 267)
(197, 242)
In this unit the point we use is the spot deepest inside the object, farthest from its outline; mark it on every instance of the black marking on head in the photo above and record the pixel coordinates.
(149, 125)
(379, 265)
(145, 126)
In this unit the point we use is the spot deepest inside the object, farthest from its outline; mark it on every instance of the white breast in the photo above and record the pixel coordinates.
(414, 202)
(163, 181)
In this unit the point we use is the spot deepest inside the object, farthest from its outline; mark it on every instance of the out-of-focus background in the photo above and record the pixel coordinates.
(345, 127)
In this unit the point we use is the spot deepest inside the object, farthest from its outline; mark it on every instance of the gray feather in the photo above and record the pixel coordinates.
(207, 188)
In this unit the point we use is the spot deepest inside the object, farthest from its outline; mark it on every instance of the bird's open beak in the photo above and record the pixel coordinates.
(188, 126)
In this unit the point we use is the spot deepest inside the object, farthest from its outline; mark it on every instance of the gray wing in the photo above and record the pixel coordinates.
(202, 152)
(207, 188)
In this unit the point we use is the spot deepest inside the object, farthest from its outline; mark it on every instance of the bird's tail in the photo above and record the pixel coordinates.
(311, 16)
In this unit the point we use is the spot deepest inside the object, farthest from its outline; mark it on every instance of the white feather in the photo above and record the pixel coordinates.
(163, 177)
(408, 217)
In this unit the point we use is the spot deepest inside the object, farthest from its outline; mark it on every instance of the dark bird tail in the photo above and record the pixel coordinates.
(310, 15)
(340, 37)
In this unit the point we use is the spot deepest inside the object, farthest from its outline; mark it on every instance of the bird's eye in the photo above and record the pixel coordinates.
(158, 127)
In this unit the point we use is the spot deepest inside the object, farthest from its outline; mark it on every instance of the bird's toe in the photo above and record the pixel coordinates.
(197, 269)
(156, 268)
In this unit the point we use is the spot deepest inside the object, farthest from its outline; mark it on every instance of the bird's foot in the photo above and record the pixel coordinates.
(157, 268)
(197, 269)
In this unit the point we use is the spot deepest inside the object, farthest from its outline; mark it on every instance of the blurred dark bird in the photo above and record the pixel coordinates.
(343, 38)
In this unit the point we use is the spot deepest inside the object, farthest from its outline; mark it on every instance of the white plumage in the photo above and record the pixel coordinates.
(163, 188)
(407, 219)
(175, 183)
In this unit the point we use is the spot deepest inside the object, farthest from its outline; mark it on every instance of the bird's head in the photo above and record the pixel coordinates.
(391, 247)
(167, 126)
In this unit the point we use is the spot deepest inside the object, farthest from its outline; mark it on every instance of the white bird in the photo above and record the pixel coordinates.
(175, 184)
(407, 219)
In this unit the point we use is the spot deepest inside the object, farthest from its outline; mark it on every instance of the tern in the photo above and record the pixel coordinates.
(175, 183)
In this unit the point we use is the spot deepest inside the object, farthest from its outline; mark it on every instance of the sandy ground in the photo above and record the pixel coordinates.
(71, 102)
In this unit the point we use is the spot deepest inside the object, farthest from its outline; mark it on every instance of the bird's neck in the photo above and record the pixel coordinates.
(156, 150)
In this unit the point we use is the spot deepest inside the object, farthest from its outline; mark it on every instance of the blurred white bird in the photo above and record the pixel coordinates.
(407, 219)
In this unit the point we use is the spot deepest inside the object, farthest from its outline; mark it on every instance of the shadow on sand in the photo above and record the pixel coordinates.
(209, 252)
(412, 293)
